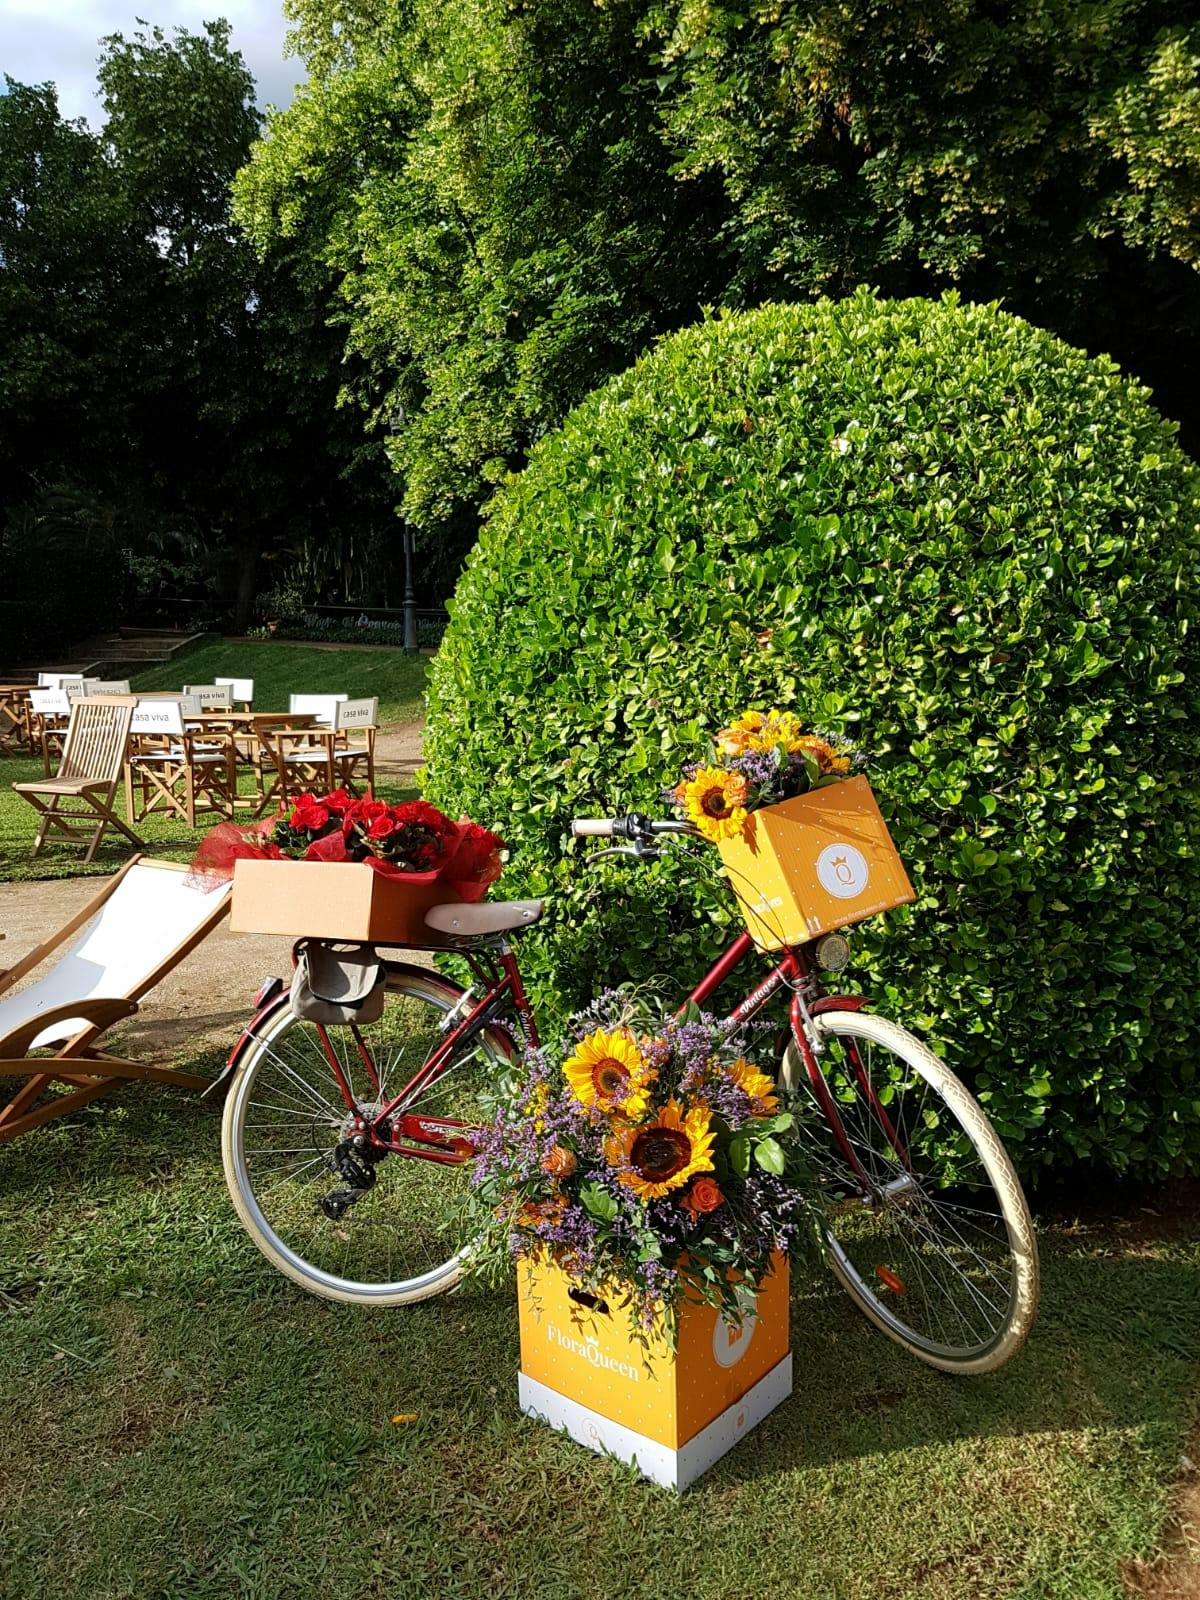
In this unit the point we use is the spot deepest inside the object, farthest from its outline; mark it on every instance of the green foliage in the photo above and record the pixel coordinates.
(516, 199)
(500, 209)
(150, 363)
(1013, 142)
(64, 573)
(937, 529)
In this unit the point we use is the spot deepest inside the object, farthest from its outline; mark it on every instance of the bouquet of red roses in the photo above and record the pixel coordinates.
(404, 840)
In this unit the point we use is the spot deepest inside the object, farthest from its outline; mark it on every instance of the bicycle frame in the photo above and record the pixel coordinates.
(400, 1132)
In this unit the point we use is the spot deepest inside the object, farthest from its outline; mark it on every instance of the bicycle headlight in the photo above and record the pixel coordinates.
(833, 952)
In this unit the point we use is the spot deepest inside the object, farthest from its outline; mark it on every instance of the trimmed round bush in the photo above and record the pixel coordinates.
(938, 530)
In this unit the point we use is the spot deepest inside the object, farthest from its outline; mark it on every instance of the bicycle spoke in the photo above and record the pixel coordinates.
(406, 1225)
(920, 1242)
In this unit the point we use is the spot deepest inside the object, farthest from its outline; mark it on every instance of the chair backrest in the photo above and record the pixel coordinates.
(96, 737)
(49, 702)
(240, 689)
(162, 716)
(212, 696)
(321, 707)
(147, 925)
(51, 680)
(108, 685)
(356, 713)
(74, 687)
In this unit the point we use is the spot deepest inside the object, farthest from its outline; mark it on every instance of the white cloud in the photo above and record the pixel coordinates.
(59, 41)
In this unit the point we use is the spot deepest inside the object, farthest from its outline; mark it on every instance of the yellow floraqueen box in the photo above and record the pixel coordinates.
(821, 861)
(672, 1413)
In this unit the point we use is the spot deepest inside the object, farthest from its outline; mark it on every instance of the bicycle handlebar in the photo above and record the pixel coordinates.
(634, 826)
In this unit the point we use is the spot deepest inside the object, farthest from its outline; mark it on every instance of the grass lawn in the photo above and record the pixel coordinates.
(278, 670)
(184, 1423)
(397, 678)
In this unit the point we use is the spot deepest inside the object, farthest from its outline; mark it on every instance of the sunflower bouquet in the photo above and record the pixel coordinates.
(650, 1162)
(759, 760)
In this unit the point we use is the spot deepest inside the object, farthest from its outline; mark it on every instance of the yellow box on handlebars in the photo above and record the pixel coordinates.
(815, 863)
(672, 1413)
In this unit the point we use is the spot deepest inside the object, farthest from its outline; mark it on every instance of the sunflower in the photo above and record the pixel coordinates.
(609, 1071)
(715, 802)
(760, 1088)
(664, 1154)
(777, 727)
(826, 755)
(735, 740)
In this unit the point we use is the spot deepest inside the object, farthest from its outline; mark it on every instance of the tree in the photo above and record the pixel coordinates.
(73, 283)
(519, 196)
(1045, 152)
(501, 214)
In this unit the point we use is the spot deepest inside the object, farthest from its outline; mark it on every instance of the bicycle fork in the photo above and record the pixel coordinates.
(809, 1044)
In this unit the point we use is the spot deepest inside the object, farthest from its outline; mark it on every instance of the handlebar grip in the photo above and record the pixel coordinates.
(592, 827)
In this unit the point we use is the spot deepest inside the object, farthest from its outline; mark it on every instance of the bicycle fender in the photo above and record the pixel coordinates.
(840, 1002)
(246, 1037)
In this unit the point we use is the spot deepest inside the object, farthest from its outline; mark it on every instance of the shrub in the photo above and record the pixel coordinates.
(937, 529)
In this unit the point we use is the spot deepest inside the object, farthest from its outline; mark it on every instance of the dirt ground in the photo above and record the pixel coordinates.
(209, 996)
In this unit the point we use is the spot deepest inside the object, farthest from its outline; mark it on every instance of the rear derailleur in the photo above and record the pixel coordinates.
(354, 1161)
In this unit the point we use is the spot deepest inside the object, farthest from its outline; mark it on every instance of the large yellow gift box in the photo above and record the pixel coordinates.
(818, 862)
(672, 1413)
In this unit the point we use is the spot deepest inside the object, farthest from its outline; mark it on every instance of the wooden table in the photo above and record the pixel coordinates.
(15, 734)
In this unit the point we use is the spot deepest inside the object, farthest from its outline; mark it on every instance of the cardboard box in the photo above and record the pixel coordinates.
(819, 862)
(334, 900)
(583, 1372)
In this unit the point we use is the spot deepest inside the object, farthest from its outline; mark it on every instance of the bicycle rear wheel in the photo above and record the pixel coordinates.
(928, 1229)
(286, 1116)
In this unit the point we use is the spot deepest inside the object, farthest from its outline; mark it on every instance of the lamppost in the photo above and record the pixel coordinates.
(409, 540)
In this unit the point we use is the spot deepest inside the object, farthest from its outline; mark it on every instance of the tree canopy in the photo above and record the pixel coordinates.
(518, 196)
(163, 391)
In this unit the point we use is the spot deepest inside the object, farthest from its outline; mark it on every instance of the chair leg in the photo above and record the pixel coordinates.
(46, 819)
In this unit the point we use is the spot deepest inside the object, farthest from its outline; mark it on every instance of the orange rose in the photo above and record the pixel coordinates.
(559, 1162)
(704, 1195)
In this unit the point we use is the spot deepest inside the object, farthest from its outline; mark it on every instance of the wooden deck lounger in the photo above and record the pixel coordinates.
(139, 927)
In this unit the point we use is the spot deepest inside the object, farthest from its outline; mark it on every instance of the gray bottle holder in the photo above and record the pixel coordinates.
(338, 983)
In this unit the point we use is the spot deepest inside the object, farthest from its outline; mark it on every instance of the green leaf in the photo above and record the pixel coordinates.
(770, 1156)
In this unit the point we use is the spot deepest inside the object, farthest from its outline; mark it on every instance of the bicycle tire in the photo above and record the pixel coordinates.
(410, 1196)
(932, 1239)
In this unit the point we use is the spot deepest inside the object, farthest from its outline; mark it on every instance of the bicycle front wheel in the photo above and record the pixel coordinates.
(286, 1122)
(927, 1226)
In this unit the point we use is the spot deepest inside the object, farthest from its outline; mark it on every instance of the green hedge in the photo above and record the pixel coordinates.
(947, 534)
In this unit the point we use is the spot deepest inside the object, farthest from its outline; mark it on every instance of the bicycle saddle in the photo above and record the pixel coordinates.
(469, 922)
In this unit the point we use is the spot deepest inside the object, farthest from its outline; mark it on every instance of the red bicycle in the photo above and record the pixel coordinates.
(347, 1149)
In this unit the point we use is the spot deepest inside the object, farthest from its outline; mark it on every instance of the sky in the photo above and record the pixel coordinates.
(58, 41)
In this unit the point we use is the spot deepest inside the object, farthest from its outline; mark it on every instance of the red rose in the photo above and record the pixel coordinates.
(704, 1195)
(381, 828)
(309, 816)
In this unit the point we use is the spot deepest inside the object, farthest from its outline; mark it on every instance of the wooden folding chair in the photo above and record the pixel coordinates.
(141, 925)
(354, 724)
(50, 715)
(241, 691)
(171, 765)
(300, 759)
(97, 734)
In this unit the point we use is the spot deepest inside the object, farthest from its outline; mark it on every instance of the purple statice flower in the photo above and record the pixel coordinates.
(760, 770)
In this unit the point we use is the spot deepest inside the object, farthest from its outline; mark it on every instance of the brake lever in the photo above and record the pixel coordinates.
(640, 851)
